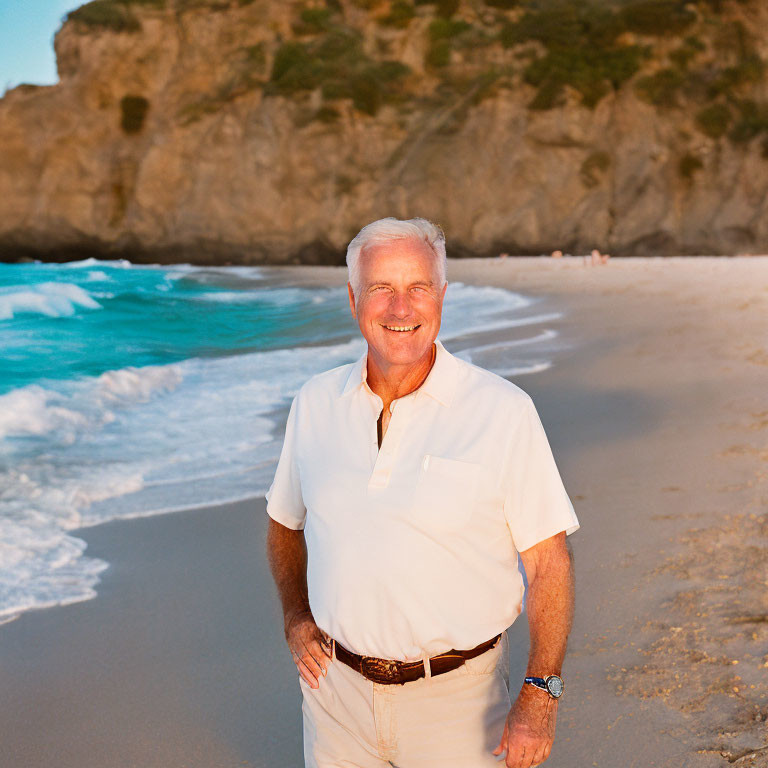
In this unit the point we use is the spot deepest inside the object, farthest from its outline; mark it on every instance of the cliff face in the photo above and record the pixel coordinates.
(259, 131)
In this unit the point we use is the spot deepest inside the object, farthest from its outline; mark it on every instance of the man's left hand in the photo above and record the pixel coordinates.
(529, 730)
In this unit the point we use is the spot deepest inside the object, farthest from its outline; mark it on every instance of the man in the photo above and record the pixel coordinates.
(408, 484)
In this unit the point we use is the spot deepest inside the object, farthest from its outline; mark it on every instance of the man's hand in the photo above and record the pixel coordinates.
(310, 647)
(529, 730)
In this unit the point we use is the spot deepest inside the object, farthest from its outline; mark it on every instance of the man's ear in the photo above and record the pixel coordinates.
(351, 300)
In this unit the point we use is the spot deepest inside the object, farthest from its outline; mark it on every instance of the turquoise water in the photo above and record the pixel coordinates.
(131, 390)
(148, 316)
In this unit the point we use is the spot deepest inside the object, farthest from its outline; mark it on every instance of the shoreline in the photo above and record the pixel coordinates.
(656, 416)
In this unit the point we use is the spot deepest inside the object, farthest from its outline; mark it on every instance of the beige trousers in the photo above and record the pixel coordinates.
(454, 720)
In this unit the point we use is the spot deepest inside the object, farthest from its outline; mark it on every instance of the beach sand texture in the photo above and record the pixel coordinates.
(657, 411)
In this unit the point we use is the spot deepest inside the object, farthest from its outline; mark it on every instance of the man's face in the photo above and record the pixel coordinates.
(399, 290)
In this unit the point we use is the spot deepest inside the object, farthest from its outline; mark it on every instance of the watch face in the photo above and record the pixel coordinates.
(555, 686)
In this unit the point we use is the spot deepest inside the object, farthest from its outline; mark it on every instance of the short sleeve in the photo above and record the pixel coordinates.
(536, 505)
(285, 503)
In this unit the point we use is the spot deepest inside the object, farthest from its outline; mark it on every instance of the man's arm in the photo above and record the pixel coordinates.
(530, 727)
(287, 553)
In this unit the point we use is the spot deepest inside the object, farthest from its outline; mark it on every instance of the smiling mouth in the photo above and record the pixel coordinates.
(401, 328)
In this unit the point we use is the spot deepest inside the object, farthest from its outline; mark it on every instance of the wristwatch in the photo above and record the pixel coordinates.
(552, 684)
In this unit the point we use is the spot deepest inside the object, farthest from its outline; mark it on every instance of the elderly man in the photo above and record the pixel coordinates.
(409, 483)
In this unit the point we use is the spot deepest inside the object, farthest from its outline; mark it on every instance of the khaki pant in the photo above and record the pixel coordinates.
(454, 720)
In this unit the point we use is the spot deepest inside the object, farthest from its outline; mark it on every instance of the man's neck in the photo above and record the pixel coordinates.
(398, 381)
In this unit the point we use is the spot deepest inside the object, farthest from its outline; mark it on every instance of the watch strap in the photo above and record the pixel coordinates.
(539, 682)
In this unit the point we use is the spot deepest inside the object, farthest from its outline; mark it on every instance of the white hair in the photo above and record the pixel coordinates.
(389, 229)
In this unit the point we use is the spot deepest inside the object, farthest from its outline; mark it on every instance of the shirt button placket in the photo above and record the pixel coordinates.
(385, 460)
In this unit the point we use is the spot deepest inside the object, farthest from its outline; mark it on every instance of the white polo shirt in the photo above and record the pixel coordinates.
(412, 549)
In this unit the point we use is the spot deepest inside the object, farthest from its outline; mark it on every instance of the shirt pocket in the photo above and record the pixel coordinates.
(446, 490)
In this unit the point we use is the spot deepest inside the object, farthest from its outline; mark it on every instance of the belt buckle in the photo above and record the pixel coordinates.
(380, 670)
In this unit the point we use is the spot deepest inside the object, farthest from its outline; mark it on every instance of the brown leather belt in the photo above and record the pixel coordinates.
(389, 671)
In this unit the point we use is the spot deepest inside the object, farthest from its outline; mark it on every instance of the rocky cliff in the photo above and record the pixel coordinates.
(253, 131)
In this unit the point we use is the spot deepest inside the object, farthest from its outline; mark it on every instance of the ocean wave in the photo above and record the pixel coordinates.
(281, 297)
(91, 262)
(52, 299)
(84, 405)
(34, 410)
(177, 271)
(546, 335)
(137, 385)
(41, 566)
(98, 275)
(503, 358)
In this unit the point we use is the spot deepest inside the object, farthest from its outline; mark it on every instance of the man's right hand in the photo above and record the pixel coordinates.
(310, 647)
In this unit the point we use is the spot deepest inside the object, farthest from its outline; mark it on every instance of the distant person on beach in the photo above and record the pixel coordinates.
(408, 485)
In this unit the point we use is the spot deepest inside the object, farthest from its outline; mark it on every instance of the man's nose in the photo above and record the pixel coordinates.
(400, 306)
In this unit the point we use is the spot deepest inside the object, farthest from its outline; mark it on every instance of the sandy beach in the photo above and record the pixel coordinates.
(657, 413)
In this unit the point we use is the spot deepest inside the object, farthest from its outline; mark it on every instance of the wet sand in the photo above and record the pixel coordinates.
(657, 412)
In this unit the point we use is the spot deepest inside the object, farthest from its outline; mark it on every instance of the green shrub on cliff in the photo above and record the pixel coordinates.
(688, 165)
(313, 21)
(746, 71)
(400, 14)
(327, 114)
(255, 57)
(657, 17)
(106, 14)
(661, 88)
(751, 121)
(208, 5)
(338, 65)
(445, 29)
(563, 24)
(590, 71)
(683, 56)
(369, 87)
(444, 8)
(366, 91)
(442, 31)
(714, 120)
(582, 50)
(735, 47)
(294, 69)
(438, 54)
(113, 14)
(505, 4)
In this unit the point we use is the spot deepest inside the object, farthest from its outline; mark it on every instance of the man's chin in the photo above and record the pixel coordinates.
(403, 354)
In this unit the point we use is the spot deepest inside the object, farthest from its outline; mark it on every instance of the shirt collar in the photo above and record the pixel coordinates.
(439, 384)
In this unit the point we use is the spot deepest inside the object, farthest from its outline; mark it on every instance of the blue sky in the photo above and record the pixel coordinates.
(26, 40)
